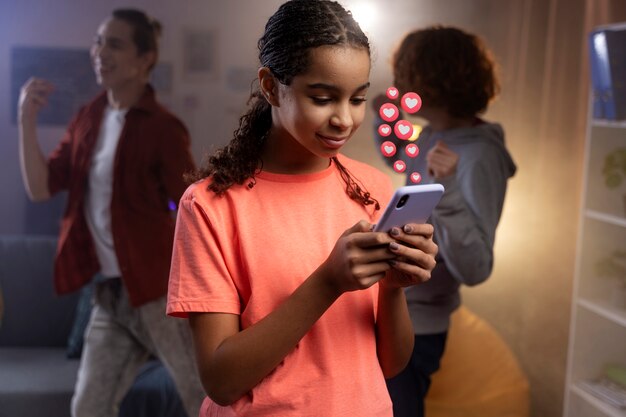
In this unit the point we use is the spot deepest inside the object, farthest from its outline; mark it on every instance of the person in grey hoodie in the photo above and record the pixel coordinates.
(454, 74)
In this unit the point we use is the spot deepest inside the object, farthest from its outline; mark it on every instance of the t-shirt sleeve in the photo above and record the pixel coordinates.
(200, 280)
(175, 157)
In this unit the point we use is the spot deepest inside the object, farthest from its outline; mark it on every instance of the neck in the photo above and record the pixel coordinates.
(439, 120)
(282, 156)
(126, 96)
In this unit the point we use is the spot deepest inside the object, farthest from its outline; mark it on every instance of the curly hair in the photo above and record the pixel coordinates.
(447, 67)
(295, 28)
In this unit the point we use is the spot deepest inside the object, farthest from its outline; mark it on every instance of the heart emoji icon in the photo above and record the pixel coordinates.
(399, 166)
(384, 130)
(388, 112)
(412, 150)
(388, 149)
(415, 177)
(392, 93)
(403, 129)
(411, 102)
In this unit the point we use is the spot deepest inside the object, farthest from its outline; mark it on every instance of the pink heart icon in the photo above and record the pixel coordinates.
(415, 177)
(388, 112)
(384, 130)
(412, 150)
(399, 166)
(388, 149)
(411, 102)
(403, 129)
(392, 93)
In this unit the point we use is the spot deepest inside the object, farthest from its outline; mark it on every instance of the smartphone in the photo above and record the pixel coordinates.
(410, 204)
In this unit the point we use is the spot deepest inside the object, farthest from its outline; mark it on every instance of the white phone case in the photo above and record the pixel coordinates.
(410, 204)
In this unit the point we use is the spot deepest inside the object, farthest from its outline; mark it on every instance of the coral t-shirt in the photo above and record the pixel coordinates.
(247, 251)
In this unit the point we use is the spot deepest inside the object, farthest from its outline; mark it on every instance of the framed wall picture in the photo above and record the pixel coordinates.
(162, 77)
(240, 79)
(199, 54)
(68, 69)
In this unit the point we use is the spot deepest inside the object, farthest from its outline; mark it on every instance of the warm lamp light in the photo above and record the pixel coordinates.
(416, 132)
(364, 13)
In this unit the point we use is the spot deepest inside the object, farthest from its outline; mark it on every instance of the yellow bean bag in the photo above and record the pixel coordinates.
(479, 375)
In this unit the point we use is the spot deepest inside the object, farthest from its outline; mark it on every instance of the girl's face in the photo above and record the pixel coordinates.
(115, 57)
(315, 116)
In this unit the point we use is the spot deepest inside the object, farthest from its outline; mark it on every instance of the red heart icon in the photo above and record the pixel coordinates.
(384, 130)
(415, 177)
(411, 150)
(392, 93)
(388, 149)
(411, 102)
(403, 129)
(389, 112)
(399, 166)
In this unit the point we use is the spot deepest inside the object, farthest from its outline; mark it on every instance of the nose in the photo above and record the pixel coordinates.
(98, 50)
(342, 117)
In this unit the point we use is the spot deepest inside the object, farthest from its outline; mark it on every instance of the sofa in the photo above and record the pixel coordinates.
(38, 358)
(479, 374)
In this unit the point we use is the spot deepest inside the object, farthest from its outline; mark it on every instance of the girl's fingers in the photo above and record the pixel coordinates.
(409, 274)
(413, 230)
(371, 271)
(364, 238)
(416, 257)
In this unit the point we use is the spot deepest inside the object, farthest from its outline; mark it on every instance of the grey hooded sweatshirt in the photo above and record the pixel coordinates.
(465, 219)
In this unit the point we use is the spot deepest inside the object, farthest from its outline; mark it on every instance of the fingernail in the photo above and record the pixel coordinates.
(395, 231)
(408, 229)
(394, 246)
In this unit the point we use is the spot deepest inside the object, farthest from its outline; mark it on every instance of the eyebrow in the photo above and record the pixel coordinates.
(335, 88)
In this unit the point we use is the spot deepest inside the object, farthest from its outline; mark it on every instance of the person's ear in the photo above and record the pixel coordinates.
(148, 61)
(269, 85)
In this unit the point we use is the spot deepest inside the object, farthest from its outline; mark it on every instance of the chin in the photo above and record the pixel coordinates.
(329, 154)
(101, 81)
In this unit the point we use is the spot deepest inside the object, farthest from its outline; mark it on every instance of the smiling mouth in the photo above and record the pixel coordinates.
(103, 69)
(334, 143)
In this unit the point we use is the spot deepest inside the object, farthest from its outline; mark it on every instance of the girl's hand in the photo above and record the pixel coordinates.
(358, 260)
(414, 252)
(33, 96)
(441, 160)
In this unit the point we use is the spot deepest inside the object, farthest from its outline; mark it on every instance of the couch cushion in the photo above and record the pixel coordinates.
(36, 381)
(40, 381)
(33, 314)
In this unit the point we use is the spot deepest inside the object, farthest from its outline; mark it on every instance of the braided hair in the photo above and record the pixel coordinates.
(295, 28)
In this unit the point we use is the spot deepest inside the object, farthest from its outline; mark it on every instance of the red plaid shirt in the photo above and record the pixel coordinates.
(152, 156)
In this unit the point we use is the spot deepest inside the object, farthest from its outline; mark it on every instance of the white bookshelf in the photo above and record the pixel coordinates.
(598, 319)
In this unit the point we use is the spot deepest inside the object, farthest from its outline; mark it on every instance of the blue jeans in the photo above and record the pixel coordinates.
(408, 389)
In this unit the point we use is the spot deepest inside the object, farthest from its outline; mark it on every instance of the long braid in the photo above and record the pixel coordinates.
(355, 189)
(240, 160)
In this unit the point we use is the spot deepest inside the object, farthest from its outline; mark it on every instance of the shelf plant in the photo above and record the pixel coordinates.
(614, 169)
(613, 266)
